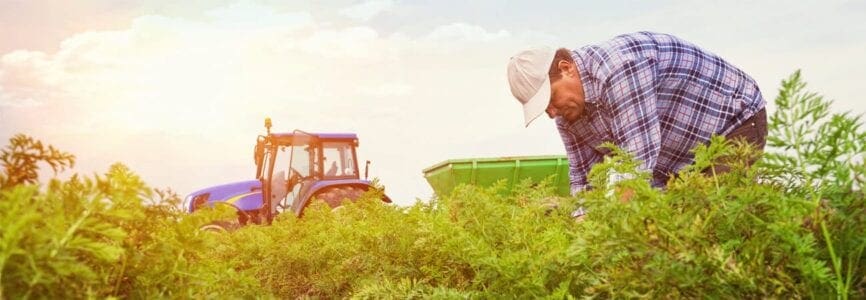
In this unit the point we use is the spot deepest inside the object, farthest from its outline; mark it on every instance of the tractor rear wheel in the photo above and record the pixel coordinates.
(220, 226)
(334, 196)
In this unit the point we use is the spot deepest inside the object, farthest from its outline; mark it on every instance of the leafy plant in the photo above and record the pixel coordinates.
(19, 160)
(820, 156)
(103, 236)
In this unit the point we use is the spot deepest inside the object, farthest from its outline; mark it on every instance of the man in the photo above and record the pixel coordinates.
(654, 95)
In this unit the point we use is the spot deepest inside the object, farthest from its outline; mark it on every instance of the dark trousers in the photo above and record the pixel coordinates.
(753, 131)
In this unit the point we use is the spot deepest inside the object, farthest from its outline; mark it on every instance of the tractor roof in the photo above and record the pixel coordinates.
(320, 136)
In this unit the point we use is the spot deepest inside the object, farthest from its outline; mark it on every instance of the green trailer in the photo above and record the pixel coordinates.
(446, 175)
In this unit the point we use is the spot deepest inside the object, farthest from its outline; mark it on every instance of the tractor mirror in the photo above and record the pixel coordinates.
(367, 170)
(258, 159)
(258, 153)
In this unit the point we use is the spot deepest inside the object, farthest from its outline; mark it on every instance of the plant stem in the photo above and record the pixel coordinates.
(837, 263)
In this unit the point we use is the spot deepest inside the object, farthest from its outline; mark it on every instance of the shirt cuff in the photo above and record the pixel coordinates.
(577, 188)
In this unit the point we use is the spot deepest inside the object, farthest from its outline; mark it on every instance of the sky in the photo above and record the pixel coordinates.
(178, 90)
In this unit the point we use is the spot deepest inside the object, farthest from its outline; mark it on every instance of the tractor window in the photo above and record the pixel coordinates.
(339, 160)
(280, 176)
(281, 163)
(291, 159)
(301, 156)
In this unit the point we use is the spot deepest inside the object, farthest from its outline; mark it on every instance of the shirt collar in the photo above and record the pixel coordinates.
(590, 93)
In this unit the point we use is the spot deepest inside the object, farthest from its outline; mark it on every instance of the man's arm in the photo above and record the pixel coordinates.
(631, 97)
(580, 156)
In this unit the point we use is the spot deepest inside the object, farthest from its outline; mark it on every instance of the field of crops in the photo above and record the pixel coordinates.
(790, 227)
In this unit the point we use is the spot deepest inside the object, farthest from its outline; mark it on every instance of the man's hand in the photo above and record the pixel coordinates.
(579, 214)
(624, 194)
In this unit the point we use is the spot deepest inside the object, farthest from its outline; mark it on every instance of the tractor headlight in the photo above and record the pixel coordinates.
(199, 200)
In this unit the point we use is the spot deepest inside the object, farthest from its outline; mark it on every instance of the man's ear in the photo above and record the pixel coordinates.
(565, 67)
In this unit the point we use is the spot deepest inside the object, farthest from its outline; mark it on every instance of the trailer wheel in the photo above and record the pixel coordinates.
(334, 196)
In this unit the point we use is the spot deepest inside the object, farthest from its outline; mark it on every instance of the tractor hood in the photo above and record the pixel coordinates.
(244, 195)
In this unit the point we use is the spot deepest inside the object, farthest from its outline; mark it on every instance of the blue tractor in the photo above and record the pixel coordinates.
(292, 169)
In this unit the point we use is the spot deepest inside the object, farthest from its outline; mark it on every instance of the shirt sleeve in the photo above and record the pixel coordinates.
(635, 122)
(581, 157)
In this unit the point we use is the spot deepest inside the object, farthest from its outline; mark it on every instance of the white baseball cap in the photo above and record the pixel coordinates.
(530, 83)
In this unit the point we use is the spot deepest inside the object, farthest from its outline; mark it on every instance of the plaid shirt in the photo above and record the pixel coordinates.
(657, 97)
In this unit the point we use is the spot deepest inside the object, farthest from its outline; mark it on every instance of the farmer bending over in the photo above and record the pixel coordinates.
(654, 95)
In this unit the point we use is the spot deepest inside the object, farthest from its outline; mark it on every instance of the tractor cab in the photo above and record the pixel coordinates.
(291, 165)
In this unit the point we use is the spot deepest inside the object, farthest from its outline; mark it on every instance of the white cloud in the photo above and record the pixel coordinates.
(367, 10)
(352, 42)
(8, 101)
(26, 77)
(386, 90)
(250, 15)
(19, 103)
(465, 33)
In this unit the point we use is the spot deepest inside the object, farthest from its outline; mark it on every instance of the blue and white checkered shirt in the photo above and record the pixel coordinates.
(656, 96)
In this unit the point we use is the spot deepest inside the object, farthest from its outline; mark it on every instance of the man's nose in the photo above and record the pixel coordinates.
(551, 112)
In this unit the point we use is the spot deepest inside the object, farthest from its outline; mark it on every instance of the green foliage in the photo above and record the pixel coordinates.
(19, 160)
(790, 227)
(718, 236)
(106, 236)
(815, 151)
(820, 156)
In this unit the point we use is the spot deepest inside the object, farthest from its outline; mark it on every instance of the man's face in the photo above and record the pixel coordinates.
(566, 94)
